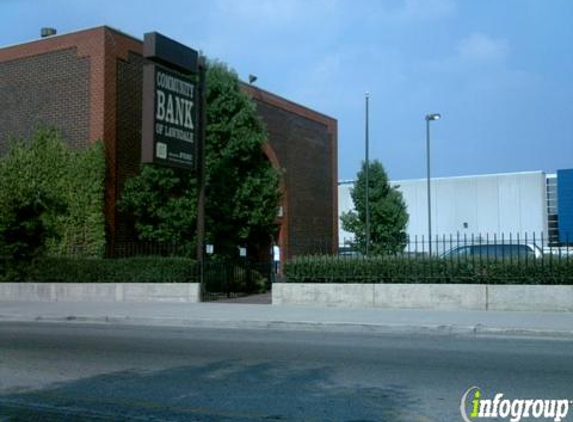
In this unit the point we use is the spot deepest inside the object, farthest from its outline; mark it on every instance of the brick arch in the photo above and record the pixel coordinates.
(282, 222)
(271, 155)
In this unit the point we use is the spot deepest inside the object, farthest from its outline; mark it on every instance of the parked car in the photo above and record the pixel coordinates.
(560, 251)
(349, 252)
(504, 250)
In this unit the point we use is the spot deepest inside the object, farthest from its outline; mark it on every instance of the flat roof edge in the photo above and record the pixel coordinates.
(470, 176)
(286, 100)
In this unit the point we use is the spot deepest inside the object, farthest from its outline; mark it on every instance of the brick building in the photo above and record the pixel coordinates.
(89, 85)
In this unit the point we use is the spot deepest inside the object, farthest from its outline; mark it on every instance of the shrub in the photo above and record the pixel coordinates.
(97, 270)
(51, 198)
(391, 269)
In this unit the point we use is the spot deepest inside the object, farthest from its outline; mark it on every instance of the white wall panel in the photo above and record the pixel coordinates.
(489, 204)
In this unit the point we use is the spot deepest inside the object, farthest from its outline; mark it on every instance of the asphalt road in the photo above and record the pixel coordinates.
(74, 372)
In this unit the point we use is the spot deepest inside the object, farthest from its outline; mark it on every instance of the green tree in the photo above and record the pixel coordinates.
(163, 204)
(81, 228)
(51, 198)
(242, 193)
(388, 213)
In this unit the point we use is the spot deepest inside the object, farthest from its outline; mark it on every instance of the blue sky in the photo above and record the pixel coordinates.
(499, 71)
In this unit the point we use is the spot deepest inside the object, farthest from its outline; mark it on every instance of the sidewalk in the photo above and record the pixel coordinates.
(249, 316)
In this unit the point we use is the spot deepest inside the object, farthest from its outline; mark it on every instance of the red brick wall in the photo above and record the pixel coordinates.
(77, 74)
(117, 49)
(98, 96)
(305, 144)
(45, 90)
(128, 129)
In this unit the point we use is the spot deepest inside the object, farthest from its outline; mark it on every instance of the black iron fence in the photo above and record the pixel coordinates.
(222, 278)
(144, 262)
(133, 249)
(489, 259)
(511, 258)
(441, 245)
(497, 245)
(231, 279)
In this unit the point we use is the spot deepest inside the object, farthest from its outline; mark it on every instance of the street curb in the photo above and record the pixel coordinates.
(477, 331)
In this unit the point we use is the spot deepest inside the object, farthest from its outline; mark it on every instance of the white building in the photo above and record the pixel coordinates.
(482, 206)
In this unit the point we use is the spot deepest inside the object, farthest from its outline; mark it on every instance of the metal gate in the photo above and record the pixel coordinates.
(224, 280)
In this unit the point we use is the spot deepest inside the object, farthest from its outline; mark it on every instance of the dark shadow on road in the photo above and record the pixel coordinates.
(225, 391)
(257, 299)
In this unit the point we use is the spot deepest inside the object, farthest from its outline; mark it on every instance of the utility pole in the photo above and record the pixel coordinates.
(429, 118)
(201, 173)
(367, 171)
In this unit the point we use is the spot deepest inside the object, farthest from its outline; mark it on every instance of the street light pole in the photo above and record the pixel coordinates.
(367, 171)
(429, 118)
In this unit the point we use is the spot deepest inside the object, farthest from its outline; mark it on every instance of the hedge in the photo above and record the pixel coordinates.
(219, 276)
(391, 269)
(97, 270)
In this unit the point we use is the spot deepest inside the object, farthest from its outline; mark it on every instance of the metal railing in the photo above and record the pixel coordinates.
(222, 278)
(497, 259)
(538, 244)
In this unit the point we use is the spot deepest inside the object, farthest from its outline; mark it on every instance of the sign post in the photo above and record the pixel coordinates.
(201, 172)
(173, 124)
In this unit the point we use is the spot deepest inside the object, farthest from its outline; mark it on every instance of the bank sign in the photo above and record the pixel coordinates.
(169, 118)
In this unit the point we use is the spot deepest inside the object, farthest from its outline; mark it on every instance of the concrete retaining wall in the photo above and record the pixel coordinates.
(427, 296)
(430, 296)
(526, 298)
(100, 292)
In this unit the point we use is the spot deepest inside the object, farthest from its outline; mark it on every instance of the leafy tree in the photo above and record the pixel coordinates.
(163, 204)
(242, 192)
(81, 228)
(26, 223)
(51, 198)
(388, 214)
